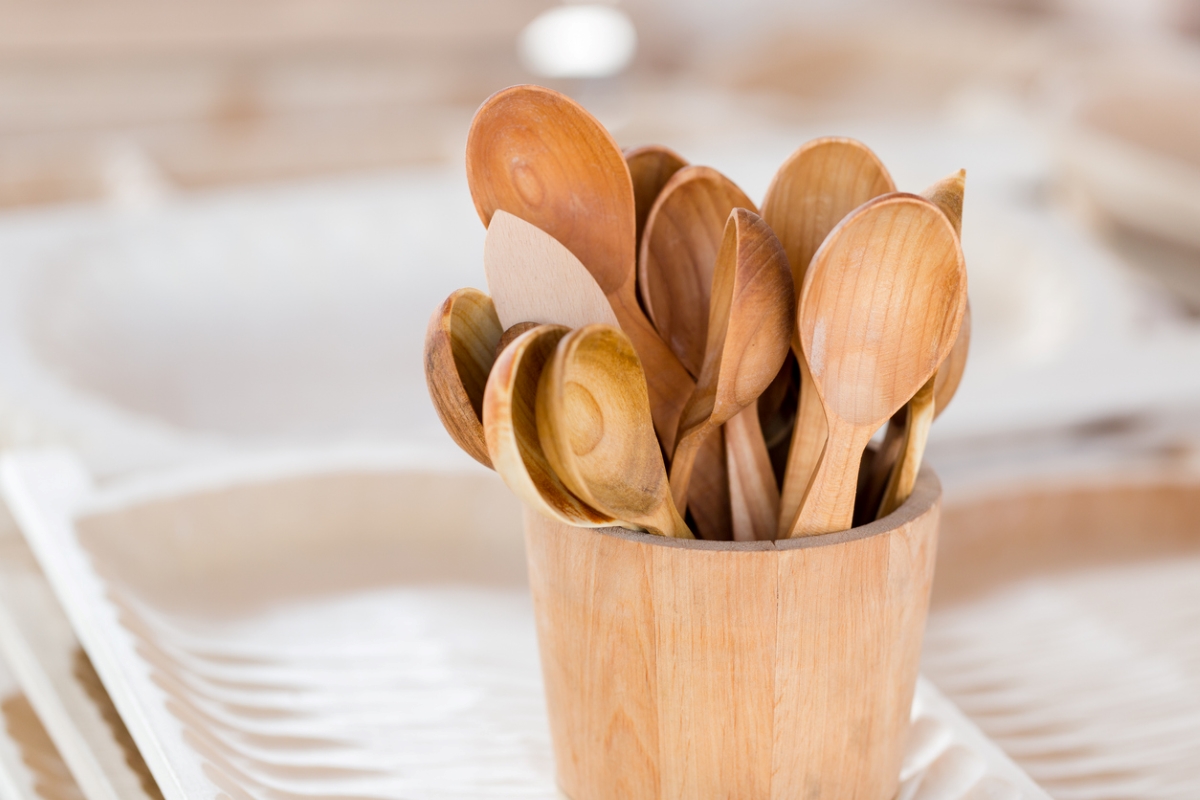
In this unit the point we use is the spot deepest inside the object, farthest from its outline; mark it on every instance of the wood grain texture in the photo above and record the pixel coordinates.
(751, 316)
(741, 670)
(460, 346)
(950, 373)
(540, 156)
(709, 496)
(753, 491)
(947, 194)
(533, 278)
(678, 253)
(899, 458)
(510, 427)
(510, 334)
(916, 433)
(593, 420)
(818, 185)
(881, 307)
(650, 167)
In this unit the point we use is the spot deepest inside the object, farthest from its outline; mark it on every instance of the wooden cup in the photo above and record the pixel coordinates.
(699, 669)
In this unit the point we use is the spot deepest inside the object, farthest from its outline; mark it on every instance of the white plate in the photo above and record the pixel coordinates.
(338, 628)
(60, 684)
(30, 766)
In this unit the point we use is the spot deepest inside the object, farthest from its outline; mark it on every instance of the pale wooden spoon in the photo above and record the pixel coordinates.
(751, 318)
(510, 426)
(675, 268)
(593, 420)
(812, 191)
(650, 167)
(533, 278)
(880, 310)
(913, 424)
(460, 346)
(537, 154)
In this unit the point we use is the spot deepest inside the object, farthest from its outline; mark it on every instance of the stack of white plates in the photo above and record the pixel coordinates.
(326, 627)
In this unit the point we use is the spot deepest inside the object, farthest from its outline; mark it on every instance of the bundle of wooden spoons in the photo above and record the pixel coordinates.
(657, 355)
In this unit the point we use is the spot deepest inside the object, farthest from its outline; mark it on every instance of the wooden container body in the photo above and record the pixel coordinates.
(697, 669)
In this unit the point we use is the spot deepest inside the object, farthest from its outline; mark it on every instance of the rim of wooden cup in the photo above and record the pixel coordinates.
(927, 491)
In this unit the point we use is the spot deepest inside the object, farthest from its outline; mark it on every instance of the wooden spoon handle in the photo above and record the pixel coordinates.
(753, 493)
(808, 439)
(880, 468)
(684, 462)
(904, 474)
(708, 492)
(828, 504)
(669, 384)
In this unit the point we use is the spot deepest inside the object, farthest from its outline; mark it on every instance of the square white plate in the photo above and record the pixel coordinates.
(338, 627)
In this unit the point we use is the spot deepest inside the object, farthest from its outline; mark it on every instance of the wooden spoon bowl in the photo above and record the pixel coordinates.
(594, 424)
(510, 425)
(880, 309)
(540, 156)
(460, 347)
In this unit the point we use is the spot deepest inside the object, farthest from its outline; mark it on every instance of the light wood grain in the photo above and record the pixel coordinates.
(899, 458)
(460, 346)
(881, 307)
(510, 426)
(710, 496)
(533, 278)
(751, 316)
(818, 185)
(947, 194)
(593, 420)
(650, 167)
(678, 252)
(753, 491)
(740, 670)
(675, 274)
(916, 433)
(510, 335)
(540, 156)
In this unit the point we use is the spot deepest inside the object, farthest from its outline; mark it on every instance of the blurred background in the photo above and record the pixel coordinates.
(223, 227)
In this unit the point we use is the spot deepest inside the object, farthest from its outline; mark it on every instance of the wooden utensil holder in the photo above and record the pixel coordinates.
(742, 670)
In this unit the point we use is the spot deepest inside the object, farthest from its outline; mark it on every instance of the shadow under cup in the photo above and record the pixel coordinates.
(699, 669)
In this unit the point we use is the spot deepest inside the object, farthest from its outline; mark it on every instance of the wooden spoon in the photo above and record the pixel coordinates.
(510, 334)
(751, 318)
(650, 167)
(880, 310)
(533, 278)
(593, 419)
(460, 346)
(675, 266)
(948, 195)
(675, 272)
(510, 426)
(816, 188)
(540, 156)
(901, 462)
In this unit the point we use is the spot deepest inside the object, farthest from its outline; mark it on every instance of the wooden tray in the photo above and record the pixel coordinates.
(329, 628)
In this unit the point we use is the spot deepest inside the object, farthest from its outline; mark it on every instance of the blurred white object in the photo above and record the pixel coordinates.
(1064, 623)
(30, 766)
(339, 626)
(578, 41)
(132, 181)
(1135, 153)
